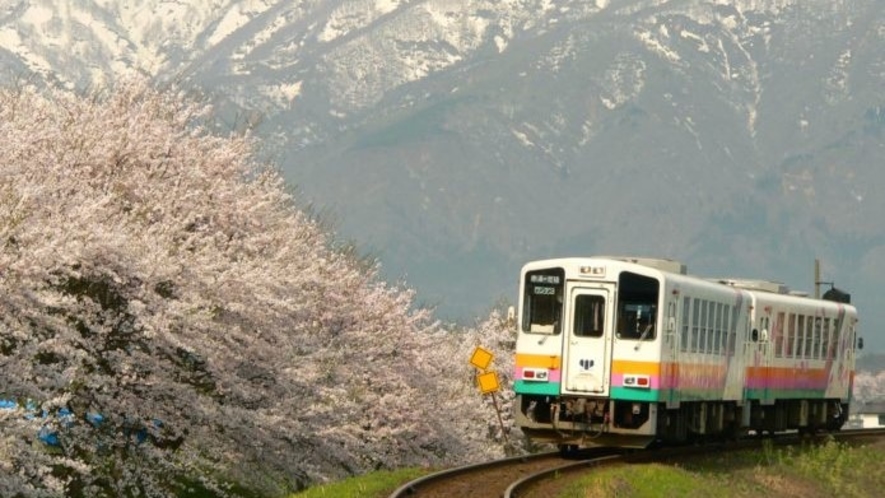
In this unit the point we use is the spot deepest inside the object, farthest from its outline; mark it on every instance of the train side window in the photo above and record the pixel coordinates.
(695, 324)
(589, 316)
(816, 335)
(702, 340)
(713, 319)
(732, 329)
(702, 315)
(686, 319)
(791, 335)
(826, 351)
(809, 350)
(777, 335)
(709, 327)
(804, 338)
(726, 327)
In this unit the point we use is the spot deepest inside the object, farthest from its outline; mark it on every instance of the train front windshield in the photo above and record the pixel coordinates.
(542, 302)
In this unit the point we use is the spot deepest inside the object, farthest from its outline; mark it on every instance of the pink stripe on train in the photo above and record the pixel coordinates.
(553, 374)
(654, 381)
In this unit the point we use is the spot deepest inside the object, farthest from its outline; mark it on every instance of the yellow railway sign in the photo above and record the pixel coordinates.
(488, 382)
(481, 358)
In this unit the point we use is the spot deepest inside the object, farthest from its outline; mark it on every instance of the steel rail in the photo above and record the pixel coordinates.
(523, 485)
(605, 456)
(519, 486)
(415, 485)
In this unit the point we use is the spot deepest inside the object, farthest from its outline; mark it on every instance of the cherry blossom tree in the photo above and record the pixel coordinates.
(171, 320)
(485, 421)
(869, 386)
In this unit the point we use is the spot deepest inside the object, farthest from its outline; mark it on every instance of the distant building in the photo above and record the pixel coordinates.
(867, 415)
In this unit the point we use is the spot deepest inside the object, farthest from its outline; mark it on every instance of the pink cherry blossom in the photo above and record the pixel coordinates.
(173, 318)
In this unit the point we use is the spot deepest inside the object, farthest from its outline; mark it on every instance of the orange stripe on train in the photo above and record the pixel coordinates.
(537, 361)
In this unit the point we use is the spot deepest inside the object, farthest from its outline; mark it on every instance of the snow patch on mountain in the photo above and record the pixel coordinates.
(656, 46)
(623, 81)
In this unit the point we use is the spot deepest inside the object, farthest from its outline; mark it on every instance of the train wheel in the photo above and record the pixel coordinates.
(568, 450)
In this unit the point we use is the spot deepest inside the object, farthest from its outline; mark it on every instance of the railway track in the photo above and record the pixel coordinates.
(491, 479)
(530, 476)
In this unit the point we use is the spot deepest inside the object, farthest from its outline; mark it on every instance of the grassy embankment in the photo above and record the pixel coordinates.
(827, 470)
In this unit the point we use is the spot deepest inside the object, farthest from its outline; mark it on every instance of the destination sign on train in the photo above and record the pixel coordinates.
(545, 279)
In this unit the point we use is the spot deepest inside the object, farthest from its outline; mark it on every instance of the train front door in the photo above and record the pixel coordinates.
(587, 346)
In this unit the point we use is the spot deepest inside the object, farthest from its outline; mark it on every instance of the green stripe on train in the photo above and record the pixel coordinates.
(785, 393)
(547, 388)
(662, 395)
(632, 394)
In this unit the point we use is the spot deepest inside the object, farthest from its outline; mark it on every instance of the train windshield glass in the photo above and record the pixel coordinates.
(637, 306)
(589, 316)
(542, 302)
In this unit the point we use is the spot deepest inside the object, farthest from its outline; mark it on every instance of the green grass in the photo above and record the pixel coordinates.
(377, 484)
(812, 471)
(640, 481)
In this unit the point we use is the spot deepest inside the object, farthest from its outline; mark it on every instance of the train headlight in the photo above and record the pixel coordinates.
(535, 374)
(593, 271)
(640, 381)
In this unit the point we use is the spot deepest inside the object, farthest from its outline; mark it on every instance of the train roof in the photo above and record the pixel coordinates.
(674, 267)
(756, 285)
(663, 264)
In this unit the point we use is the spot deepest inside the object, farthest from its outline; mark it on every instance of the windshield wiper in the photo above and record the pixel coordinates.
(643, 336)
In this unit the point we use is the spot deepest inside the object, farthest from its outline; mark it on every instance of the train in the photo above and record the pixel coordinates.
(634, 352)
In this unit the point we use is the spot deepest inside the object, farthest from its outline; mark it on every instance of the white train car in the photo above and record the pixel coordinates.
(628, 351)
(800, 362)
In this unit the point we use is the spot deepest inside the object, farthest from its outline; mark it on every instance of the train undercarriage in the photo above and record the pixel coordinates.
(574, 422)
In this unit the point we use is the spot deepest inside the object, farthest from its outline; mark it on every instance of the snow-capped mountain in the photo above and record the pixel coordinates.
(456, 139)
